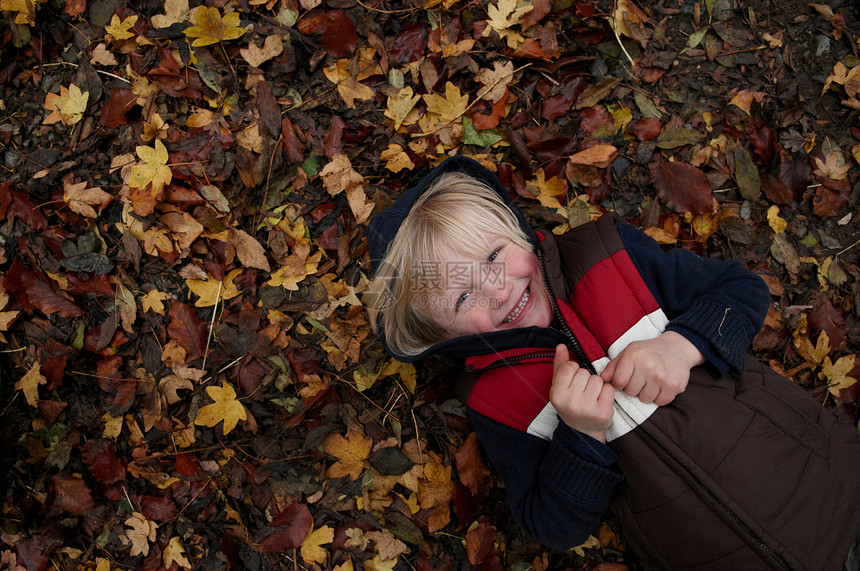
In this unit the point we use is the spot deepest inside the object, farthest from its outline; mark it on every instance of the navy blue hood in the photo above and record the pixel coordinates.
(385, 225)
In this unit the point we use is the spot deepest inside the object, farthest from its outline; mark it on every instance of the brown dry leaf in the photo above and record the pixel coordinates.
(495, 82)
(142, 532)
(387, 546)
(435, 490)
(82, 199)
(349, 87)
(30, 382)
(257, 56)
(744, 99)
(396, 158)
(339, 176)
(600, 156)
(400, 106)
(175, 11)
(251, 253)
(351, 452)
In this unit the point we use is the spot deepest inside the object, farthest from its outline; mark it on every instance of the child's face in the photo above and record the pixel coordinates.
(502, 288)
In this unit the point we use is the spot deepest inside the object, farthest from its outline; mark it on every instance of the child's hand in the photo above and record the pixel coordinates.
(582, 400)
(656, 370)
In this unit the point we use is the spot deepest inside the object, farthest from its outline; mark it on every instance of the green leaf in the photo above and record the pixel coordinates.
(471, 136)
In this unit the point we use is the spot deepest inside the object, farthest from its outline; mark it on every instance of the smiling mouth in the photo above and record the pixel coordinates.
(518, 309)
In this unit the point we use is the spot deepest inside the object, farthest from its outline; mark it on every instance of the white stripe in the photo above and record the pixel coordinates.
(630, 412)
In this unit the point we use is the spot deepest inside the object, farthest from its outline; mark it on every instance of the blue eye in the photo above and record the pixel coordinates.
(461, 299)
(494, 255)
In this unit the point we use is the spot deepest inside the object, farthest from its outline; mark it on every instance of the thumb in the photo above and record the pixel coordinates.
(609, 371)
(562, 356)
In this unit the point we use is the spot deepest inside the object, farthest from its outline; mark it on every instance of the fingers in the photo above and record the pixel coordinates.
(562, 356)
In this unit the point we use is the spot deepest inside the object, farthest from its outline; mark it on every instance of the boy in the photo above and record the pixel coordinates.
(719, 472)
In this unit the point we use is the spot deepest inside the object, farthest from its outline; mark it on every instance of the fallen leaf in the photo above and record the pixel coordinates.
(140, 534)
(396, 159)
(211, 291)
(351, 453)
(683, 187)
(30, 382)
(312, 550)
(175, 553)
(837, 373)
(121, 29)
(175, 11)
(273, 46)
(400, 105)
(68, 107)
(251, 253)
(600, 156)
(225, 409)
(209, 27)
(154, 169)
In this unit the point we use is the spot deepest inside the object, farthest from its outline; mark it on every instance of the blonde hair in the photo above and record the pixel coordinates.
(456, 213)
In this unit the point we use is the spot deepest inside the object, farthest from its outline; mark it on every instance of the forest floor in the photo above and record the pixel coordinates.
(188, 377)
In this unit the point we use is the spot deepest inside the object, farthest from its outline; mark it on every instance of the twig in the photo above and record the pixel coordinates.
(417, 438)
(212, 323)
(848, 248)
(623, 49)
(469, 106)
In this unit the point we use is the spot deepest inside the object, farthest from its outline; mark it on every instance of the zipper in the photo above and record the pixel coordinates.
(573, 344)
(744, 527)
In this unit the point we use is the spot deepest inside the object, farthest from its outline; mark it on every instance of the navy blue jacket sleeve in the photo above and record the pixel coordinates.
(718, 305)
(559, 489)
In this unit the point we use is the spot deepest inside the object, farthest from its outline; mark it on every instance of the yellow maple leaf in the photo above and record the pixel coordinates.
(405, 370)
(546, 191)
(349, 87)
(25, 10)
(351, 453)
(312, 551)
(212, 290)
(503, 15)
(30, 382)
(396, 158)
(837, 373)
(121, 29)
(82, 199)
(154, 169)
(812, 355)
(210, 28)
(400, 105)
(450, 107)
(296, 269)
(68, 107)
(175, 553)
(225, 408)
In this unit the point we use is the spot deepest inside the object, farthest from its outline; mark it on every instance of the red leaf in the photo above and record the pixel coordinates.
(764, 144)
(828, 318)
(558, 105)
(828, 202)
(158, 508)
(268, 108)
(411, 43)
(294, 524)
(646, 129)
(95, 284)
(333, 141)
(594, 118)
(72, 495)
(45, 299)
(35, 552)
(187, 329)
(119, 103)
(471, 468)
(480, 543)
(489, 120)
(100, 457)
(293, 147)
(532, 49)
(107, 372)
(186, 464)
(53, 368)
(5, 198)
(339, 35)
(682, 187)
(776, 190)
(26, 211)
